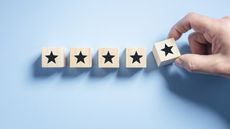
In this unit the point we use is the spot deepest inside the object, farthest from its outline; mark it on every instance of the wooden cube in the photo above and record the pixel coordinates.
(80, 58)
(165, 52)
(53, 57)
(136, 58)
(108, 58)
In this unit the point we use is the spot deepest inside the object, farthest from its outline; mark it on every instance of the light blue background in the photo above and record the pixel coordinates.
(152, 98)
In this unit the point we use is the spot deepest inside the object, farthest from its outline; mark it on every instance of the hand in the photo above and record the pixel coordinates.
(209, 43)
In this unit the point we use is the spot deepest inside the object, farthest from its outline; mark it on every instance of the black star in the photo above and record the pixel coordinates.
(51, 57)
(167, 49)
(108, 57)
(136, 57)
(80, 57)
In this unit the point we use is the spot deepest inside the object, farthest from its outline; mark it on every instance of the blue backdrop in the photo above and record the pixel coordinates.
(151, 98)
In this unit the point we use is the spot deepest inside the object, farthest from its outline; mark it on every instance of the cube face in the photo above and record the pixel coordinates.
(53, 57)
(108, 58)
(80, 58)
(165, 52)
(136, 58)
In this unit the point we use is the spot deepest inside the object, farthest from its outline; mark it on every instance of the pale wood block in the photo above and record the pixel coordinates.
(136, 58)
(165, 52)
(108, 58)
(53, 57)
(80, 58)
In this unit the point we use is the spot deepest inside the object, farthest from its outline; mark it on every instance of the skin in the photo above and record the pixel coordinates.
(209, 43)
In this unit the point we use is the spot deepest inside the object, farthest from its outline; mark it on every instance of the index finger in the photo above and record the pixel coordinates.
(199, 23)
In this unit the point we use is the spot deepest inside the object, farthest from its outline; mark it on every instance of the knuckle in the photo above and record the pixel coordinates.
(226, 17)
(191, 15)
(225, 22)
(191, 66)
(222, 68)
(224, 27)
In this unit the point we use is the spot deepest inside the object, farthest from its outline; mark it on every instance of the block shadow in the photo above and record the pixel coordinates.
(96, 72)
(151, 63)
(205, 90)
(124, 72)
(73, 72)
(39, 72)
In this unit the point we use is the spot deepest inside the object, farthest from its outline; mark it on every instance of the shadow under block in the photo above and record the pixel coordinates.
(108, 58)
(165, 52)
(80, 58)
(136, 58)
(53, 58)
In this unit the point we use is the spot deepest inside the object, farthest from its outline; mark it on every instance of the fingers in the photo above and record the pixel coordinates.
(226, 17)
(198, 43)
(198, 63)
(195, 21)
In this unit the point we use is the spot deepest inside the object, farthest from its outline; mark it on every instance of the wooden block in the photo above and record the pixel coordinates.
(80, 58)
(53, 57)
(108, 58)
(165, 52)
(136, 58)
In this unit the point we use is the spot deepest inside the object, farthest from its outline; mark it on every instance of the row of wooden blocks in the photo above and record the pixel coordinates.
(165, 52)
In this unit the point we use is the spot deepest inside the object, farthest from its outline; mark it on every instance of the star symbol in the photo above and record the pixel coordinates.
(51, 57)
(80, 57)
(108, 57)
(167, 49)
(136, 57)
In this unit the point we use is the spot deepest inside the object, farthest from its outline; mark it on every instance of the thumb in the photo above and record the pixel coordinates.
(198, 63)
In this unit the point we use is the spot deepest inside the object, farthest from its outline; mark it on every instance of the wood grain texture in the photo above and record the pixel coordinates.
(160, 56)
(86, 62)
(104, 52)
(130, 63)
(58, 60)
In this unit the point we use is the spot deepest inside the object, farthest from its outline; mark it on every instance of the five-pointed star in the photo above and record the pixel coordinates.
(167, 49)
(136, 57)
(80, 57)
(108, 57)
(51, 57)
